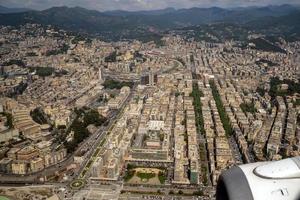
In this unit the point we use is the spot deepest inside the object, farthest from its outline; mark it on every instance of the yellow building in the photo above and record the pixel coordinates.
(19, 167)
(36, 164)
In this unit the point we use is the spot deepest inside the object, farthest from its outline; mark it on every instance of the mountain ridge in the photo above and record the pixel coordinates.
(120, 24)
(6, 10)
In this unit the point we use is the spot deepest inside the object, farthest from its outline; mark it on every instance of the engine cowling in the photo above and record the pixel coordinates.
(275, 180)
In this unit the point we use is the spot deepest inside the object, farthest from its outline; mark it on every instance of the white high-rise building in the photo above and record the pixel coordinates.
(101, 78)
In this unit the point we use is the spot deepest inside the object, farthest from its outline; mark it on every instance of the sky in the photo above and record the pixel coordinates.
(133, 5)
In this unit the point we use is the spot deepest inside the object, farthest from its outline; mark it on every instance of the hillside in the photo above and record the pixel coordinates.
(115, 25)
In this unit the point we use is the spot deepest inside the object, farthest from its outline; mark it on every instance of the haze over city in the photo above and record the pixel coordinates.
(134, 5)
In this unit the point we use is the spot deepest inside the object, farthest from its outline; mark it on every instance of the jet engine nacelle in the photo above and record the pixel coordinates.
(275, 180)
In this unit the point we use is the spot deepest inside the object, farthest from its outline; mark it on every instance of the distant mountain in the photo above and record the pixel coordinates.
(291, 19)
(272, 10)
(143, 12)
(124, 24)
(282, 25)
(5, 10)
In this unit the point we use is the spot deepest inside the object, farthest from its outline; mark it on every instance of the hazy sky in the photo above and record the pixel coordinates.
(139, 4)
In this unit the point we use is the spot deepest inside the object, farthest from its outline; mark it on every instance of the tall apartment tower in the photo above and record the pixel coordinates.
(151, 78)
(100, 75)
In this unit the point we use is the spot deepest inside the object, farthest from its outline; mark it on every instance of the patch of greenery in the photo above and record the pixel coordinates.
(180, 192)
(38, 116)
(270, 63)
(113, 84)
(80, 131)
(162, 177)
(79, 126)
(31, 54)
(144, 36)
(204, 172)
(62, 50)
(77, 184)
(102, 98)
(260, 91)
(181, 61)
(129, 174)
(198, 193)
(177, 94)
(93, 117)
(61, 72)
(147, 176)
(42, 71)
(80, 38)
(297, 102)
(274, 91)
(215, 33)
(79, 111)
(248, 107)
(159, 42)
(9, 119)
(14, 62)
(111, 57)
(264, 45)
(202, 152)
(130, 166)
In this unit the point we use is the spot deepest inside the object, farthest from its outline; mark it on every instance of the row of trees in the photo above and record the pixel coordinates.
(222, 112)
(197, 94)
(180, 192)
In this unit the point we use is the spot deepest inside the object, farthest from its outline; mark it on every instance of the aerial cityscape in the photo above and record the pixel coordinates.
(149, 104)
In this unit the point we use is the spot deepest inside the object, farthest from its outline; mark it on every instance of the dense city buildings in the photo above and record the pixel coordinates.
(109, 119)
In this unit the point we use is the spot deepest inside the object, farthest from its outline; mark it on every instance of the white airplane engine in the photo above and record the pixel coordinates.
(275, 180)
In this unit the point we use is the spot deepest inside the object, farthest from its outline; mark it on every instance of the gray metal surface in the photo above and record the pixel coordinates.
(233, 185)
